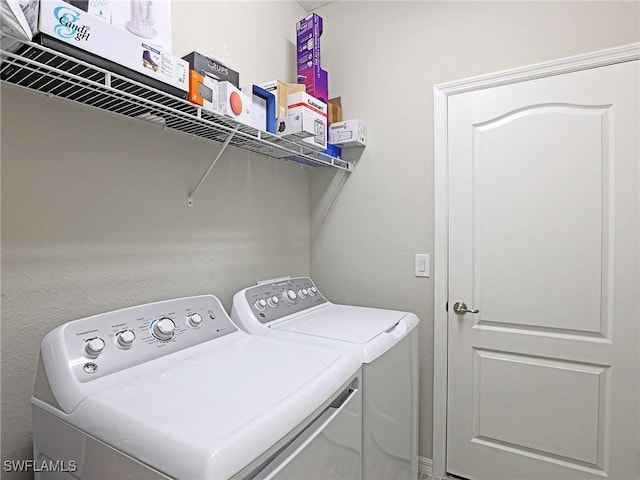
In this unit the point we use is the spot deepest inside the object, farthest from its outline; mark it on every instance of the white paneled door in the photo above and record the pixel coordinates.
(543, 381)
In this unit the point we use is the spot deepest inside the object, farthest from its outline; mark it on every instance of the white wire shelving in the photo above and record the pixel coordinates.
(56, 74)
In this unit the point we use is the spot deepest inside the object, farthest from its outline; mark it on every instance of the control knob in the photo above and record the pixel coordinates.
(260, 304)
(313, 291)
(94, 347)
(289, 296)
(163, 329)
(194, 320)
(273, 301)
(126, 338)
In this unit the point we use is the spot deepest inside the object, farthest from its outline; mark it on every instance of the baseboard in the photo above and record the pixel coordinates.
(425, 465)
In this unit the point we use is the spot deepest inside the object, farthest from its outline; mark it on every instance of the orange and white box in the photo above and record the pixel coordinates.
(310, 107)
(203, 91)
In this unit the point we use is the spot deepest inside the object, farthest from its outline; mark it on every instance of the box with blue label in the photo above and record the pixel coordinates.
(69, 25)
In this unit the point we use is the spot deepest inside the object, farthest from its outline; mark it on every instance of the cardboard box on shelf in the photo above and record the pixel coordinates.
(317, 85)
(308, 32)
(335, 110)
(309, 70)
(234, 103)
(67, 25)
(281, 90)
(350, 133)
(213, 68)
(203, 91)
(302, 102)
(263, 108)
(333, 150)
(296, 126)
(149, 21)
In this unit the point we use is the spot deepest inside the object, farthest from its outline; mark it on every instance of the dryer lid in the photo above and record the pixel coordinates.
(344, 323)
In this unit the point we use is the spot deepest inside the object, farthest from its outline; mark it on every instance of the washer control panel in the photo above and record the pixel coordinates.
(106, 343)
(273, 300)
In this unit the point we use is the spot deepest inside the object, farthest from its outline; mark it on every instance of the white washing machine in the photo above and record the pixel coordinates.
(386, 343)
(174, 389)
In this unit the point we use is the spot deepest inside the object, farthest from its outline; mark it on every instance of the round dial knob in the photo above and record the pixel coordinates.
(273, 301)
(94, 347)
(313, 291)
(261, 304)
(194, 320)
(303, 293)
(126, 338)
(290, 296)
(163, 329)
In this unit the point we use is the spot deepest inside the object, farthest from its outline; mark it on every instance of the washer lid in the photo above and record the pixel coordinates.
(342, 322)
(211, 414)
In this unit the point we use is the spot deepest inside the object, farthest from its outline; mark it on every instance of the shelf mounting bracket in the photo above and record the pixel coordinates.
(193, 191)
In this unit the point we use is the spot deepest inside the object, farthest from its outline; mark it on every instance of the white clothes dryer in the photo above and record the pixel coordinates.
(174, 389)
(386, 343)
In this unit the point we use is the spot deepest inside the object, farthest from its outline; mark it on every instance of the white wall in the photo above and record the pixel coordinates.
(384, 58)
(94, 206)
(94, 210)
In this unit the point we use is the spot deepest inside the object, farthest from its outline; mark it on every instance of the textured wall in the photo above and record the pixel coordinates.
(94, 207)
(384, 58)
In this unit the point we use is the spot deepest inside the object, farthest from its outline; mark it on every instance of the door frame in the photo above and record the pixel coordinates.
(600, 58)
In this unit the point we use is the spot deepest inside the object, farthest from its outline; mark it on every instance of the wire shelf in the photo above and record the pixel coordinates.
(47, 71)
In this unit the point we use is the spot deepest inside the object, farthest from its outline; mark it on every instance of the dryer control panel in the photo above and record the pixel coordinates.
(103, 344)
(276, 299)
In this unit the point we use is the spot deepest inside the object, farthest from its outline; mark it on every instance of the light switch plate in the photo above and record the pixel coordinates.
(422, 265)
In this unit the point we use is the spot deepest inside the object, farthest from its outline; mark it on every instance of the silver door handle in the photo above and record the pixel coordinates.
(461, 308)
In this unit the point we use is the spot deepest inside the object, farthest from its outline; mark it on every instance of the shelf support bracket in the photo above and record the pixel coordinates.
(193, 191)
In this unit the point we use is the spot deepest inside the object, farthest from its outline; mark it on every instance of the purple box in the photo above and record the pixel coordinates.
(308, 32)
(317, 85)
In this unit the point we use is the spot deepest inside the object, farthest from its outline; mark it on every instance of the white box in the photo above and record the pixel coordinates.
(100, 8)
(296, 126)
(279, 90)
(20, 20)
(148, 20)
(300, 103)
(350, 133)
(234, 103)
(80, 29)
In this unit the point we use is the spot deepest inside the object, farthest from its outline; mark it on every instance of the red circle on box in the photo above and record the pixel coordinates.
(236, 103)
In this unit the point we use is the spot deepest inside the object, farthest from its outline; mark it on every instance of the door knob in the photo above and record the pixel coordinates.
(461, 308)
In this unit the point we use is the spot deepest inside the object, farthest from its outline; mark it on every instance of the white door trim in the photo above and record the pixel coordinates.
(596, 59)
